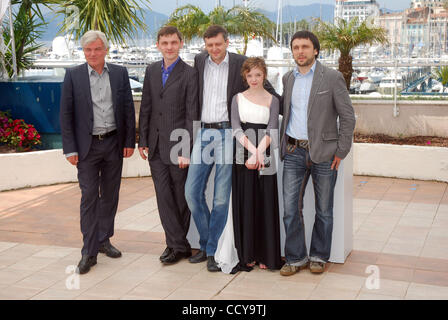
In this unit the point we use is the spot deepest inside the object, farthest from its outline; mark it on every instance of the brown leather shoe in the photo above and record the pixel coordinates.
(317, 267)
(289, 270)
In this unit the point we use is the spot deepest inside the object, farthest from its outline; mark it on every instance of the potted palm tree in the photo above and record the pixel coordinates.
(345, 36)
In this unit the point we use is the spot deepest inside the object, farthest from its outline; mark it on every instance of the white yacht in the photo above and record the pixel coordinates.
(389, 82)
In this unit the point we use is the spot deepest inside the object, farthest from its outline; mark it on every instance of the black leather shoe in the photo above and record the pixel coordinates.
(198, 257)
(110, 250)
(166, 253)
(85, 264)
(212, 266)
(175, 256)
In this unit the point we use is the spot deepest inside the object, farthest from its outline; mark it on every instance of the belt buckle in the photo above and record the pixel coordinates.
(303, 144)
(100, 137)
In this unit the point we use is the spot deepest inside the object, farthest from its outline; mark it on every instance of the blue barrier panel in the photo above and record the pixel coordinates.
(36, 100)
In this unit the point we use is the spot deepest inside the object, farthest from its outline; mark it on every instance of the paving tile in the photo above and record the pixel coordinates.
(415, 222)
(40, 280)
(324, 293)
(432, 251)
(131, 297)
(54, 252)
(233, 296)
(190, 294)
(410, 249)
(418, 291)
(395, 260)
(10, 276)
(432, 264)
(396, 273)
(351, 268)
(18, 293)
(371, 296)
(53, 294)
(342, 281)
(154, 288)
(386, 287)
(7, 245)
(431, 277)
(368, 245)
(33, 263)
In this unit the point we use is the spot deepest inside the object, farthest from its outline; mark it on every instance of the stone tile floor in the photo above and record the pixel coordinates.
(400, 229)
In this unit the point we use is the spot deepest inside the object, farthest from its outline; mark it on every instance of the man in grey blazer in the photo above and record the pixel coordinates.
(169, 103)
(316, 134)
(98, 130)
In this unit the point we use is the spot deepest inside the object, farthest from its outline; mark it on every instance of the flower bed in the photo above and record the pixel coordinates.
(16, 134)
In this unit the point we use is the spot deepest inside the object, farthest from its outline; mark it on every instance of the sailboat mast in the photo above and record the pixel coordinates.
(279, 28)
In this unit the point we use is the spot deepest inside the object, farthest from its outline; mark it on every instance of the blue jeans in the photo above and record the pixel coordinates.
(296, 172)
(212, 147)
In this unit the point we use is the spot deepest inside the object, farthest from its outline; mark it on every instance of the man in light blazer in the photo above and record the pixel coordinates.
(219, 80)
(169, 102)
(316, 134)
(98, 129)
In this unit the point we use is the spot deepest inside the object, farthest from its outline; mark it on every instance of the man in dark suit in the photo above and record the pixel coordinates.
(316, 134)
(169, 105)
(219, 80)
(98, 129)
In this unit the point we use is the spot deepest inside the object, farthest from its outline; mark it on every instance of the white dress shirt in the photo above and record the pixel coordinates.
(214, 107)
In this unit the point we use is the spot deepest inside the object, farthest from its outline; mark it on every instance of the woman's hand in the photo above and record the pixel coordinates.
(252, 163)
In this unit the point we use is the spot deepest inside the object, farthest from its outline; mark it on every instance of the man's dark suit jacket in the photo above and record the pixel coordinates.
(76, 113)
(166, 108)
(235, 83)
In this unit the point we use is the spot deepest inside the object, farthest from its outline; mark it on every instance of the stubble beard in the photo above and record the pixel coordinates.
(307, 62)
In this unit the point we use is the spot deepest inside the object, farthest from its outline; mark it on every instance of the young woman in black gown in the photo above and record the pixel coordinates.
(254, 181)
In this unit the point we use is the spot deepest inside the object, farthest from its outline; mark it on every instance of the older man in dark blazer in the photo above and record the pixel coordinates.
(169, 107)
(98, 130)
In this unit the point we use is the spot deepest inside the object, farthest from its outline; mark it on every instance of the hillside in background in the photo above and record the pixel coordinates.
(291, 13)
(154, 20)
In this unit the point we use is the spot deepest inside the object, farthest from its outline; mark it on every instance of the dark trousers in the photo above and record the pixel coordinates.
(99, 176)
(169, 182)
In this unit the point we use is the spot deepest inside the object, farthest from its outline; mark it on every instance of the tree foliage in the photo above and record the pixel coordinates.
(441, 74)
(246, 22)
(345, 36)
(118, 19)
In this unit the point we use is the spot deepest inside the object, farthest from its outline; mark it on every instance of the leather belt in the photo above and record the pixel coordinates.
(105, 135)
(299, 143)
(216, 125)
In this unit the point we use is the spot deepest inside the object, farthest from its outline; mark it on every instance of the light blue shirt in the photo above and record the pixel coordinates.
(298, 121)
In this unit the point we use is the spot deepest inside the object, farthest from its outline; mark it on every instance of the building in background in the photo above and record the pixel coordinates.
(426, 3)
(348, 9)
(420, 31)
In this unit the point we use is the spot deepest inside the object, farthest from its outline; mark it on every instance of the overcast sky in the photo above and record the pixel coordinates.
(167, 6)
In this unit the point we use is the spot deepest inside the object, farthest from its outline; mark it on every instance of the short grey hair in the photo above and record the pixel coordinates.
(91, 36)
